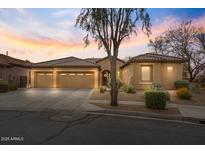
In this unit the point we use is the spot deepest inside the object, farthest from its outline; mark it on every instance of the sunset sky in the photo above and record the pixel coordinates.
(44, 34)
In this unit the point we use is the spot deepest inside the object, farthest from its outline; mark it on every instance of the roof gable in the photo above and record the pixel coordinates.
(153, 57)
(97, 60)
(66, 62)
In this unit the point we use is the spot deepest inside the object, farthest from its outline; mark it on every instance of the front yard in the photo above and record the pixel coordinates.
(197, 98)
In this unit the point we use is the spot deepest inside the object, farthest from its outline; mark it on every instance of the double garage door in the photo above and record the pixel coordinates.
(65, 80)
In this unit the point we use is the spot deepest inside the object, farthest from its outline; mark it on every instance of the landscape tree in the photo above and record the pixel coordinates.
(186, 41)
(108, 27)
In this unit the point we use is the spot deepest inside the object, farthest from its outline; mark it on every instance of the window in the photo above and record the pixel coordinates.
(49, 74)
(169, 69)
(63, 74)
(80, 74)
(146, 73)
(88, 74)
(71, 74)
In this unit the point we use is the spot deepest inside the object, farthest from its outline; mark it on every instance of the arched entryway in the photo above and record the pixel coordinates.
(105, 77)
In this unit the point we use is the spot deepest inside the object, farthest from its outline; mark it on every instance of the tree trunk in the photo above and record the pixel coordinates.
(191, 78)
(114, 88)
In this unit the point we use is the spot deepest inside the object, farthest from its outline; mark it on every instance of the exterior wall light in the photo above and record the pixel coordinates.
(169, 69)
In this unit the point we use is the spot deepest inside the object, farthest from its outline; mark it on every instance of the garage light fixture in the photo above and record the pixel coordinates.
(41, 74)
(49, 74)
(88, 74)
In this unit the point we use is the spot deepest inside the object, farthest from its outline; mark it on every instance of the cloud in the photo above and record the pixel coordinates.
(65, 24)
(71, 13)
(21, 11)
(29, 36)
(36, 43)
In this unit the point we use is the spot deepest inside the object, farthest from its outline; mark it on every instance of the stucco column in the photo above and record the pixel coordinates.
(32, 79)
(96, 76)
(54, 79)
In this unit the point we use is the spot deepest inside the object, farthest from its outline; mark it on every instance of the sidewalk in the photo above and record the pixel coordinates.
(187, 112)
(192, 111)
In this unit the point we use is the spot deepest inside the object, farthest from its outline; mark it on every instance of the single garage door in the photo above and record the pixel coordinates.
(75, 80)
(44, 80)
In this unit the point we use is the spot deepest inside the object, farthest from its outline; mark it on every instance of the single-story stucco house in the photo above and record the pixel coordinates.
(15, 70)
(71, 72)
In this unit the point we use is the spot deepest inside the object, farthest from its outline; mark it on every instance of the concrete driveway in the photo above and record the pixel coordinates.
(46, 99)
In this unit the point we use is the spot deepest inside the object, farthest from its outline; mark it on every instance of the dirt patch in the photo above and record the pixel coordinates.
(197, 98)
(139, 108)
(138, 96)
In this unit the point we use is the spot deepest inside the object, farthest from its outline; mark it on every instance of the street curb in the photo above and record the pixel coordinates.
(151, 115)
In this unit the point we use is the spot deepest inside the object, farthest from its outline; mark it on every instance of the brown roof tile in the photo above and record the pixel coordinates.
(66, 62)
(8, 61)
(153, 57)
(96, 60)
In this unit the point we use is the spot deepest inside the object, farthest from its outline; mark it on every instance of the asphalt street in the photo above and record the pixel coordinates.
(18, 127)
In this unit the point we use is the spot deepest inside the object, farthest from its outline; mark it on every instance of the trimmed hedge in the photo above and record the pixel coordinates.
(182, 83)
(4, 86)
(12, 86)
(155, 99)
(184, 93)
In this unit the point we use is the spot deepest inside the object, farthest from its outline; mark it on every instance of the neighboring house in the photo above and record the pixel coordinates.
(143, 70)
(71, 72)
(15, 70)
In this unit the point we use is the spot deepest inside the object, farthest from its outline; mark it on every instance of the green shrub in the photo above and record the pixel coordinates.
(184, 93)
(12, 86)
(119, 83)
(182, 83)
(155, 86)
(102, 89)
(4, 86)
(155, 99)
(129, 88)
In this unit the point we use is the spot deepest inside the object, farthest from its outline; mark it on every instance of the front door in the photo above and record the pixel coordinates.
(105, 77)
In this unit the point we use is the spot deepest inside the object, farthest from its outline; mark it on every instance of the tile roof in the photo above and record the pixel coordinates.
(9, 61)
(93, 60)
(66, 62)
(96, 60)
(153, 57)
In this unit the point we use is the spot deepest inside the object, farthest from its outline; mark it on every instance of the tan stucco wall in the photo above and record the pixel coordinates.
(159, 74)
(169, 78)
(14, 73)
(56, 70)
(105, 65)
(127, 74)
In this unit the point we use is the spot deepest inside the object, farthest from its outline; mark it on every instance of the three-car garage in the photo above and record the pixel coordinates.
(70, 72)
(64, 79)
